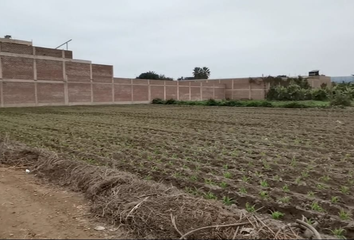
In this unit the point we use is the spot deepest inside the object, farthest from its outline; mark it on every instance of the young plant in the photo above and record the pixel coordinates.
(298, 180)
(310, 221)
(344, 190)
(258, 174)
(266, 165)
(245, 179)
(227, 201)
(285, 199)
(325, 178)
(263, 194)
(209, 182)
(277, 215)
(227, 175)
(305, 174)
(250, 208)
(316, 207)
(344, 215)
(276, 178)
(264, 183)
(286, 188)
(293, 162)
(334, 199)
(223, 184)
(194, 178)
(226, 167)
(210, 195)
(339, 232)
(311, 194)
(321, 186)
(243, 190)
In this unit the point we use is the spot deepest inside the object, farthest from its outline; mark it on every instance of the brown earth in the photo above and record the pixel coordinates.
(33, 209)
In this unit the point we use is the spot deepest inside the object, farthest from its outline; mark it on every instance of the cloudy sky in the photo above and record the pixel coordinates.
(234, 38)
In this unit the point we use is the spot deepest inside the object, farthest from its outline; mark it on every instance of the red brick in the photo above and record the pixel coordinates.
(18, 93)
(257, 94)
(157, 92)
(17, 68)
(102, 93)
(79, 92)
(157, 82)
(195, 93)
(241, 83)
(183, 83)
(207, 93)
(16, 48)
(78, 72)
(49, 52)
(50, 93)
(140, 93)
(174, 83)
(122, 81)
(171, 92)
(122, 93)
(68, 54)
(241, 94)
(219, 93)
(102, 73)
(183, 93)
(140, 81)
(49, 70)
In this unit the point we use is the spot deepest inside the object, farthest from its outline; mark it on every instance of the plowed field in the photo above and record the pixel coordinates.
(298, 162)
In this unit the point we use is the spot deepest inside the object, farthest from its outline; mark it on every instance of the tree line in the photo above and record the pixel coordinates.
(198, 73)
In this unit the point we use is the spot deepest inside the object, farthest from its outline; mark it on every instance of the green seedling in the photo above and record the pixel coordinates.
(325, 178)
(263, 194)
(286, 188)
(298, 180)
(339, 232)
(305, 174)
(227, 175)
(194, 178)
(223, 184)
(293, 162)
(277, 215)
(334, 199)
(266, 165)
(245, 179)
(210, 195)
(310, 221)
(209, 182)
(243, 190)
(344, 215)
(226, 167)
(148, 177)
(250, 208)
(316, 207)
(285, 199)
(264, 183)
(276, 178)
(344, 190)
(321, 186)
(227, 201)
(311, 194)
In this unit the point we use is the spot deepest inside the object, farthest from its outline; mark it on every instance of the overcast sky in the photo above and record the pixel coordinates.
(233, 38)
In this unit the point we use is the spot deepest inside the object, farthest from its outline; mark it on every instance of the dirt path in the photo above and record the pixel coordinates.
(31, 209)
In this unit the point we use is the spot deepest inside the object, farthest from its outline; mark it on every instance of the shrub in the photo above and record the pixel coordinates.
(211, 102)
(340, 99)
(171, 101)
(157, 101)
(231, 103)
(294, 105)
(320, 94)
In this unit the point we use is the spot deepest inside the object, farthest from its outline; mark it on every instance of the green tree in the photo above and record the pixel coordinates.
(154, 76)
(201, 73)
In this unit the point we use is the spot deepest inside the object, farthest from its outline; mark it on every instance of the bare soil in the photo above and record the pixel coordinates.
(30, 208)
